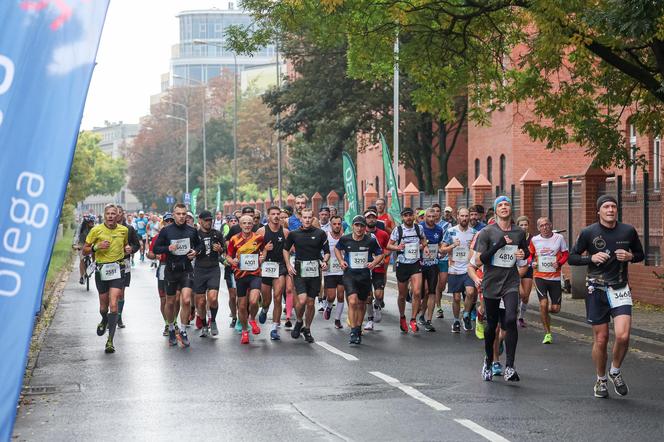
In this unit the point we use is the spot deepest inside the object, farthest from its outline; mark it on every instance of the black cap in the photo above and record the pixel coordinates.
(407, 211)
(247, 209)
(359, 219)
(605, 199)
(324, 209)
(205, 214)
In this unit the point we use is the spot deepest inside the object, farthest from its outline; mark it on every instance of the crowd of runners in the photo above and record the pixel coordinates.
(300, 263)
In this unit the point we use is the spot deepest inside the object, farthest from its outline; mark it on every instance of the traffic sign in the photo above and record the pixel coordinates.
(170, 199)
(187, 198)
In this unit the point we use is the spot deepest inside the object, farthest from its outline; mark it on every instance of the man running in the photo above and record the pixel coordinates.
(207, 274)
(273, 269)
(324, 219)
(161, 268)
(549, 252)
(443, 263)
(310, 244)
(457, 244)
(245, 255)
(502, 247)
(83, 231)
(383, 216)
(295, 220)
(109, 243)
(358, 253)
(610, 247)
(408, 240)
(434, 234)
(181, 243)
(476, 218)
(135, 244)
(378, 273)
(153, 229)
(333, 276)
(141, 229)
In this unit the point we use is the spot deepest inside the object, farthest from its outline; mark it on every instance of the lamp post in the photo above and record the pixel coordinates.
(205, 195)
(186, 122)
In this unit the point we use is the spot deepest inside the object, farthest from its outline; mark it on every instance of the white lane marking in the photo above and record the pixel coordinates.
(319, 424)
(410, 391)
(336, 351)
(487, 434)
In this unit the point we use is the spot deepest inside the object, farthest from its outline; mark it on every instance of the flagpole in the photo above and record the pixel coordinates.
(395, 111)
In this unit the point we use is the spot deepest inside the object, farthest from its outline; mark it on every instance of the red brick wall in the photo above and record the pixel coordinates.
(646, 287)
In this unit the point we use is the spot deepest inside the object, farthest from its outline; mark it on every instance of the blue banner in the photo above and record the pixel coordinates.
(47, 55)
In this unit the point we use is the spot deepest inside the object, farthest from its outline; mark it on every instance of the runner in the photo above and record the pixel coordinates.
(310, 244)
(273, 269)
(549, 253)
(378, 273)
(443, 263)
(161, 267)
(526, 285)
(153, 229)
(295, 220)
(218, 222)
(358, 254)
(181, 243)
(610, 247)
(290, 287)
(434, 234)
(109, 243)
(135, 244)
(447, 216)
(457, 243)
(141, 224)
(408, 240)
(82, 233)
(333, 276)
(476, 213)
(324, 219)
(501, 246)
(244, 254)
(383, 215)
(207, 274)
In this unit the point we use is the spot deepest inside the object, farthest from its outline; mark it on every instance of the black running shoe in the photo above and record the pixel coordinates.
(288, 324)
(172, 339)
(429, 327)
(295, 333)
(511, 375)
(307, 335)
(456, 327)
(81, 281)
(619, 384)
(120, 323)
(467, 325)
(109, 346)
(487, 374)
(101, 328)
(233, 322)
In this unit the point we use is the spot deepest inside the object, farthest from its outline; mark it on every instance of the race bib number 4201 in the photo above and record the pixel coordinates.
(619, 297)
(249, 262)
(182, 246)
(505, 257)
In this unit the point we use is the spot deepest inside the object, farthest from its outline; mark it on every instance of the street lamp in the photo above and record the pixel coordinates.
(235, 105)
(205, 196)
(186, 122)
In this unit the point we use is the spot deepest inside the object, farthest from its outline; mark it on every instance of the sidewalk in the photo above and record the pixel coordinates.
(646, 322)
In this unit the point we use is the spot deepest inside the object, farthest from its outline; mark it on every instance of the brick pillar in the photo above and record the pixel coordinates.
(290, 200)
(370, 196)
(411, 192)
(252, 203)
(260, 205)
(480, 187)
(332, 198)
(316, 202)
(592, 181)
(227, 207)
(453, 193)
(530, 183)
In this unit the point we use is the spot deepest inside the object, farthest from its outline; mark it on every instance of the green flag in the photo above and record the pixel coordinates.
(218, 197)
(194, 197)
(350, 186)
(390, 182)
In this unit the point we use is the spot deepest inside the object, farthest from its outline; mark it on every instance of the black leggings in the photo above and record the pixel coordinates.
(507, 318)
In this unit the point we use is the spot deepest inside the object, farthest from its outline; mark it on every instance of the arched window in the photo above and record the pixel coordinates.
(477, 167)
(502, 172)
(489, 169)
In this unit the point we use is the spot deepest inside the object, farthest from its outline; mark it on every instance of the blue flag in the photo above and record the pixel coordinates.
(47, 55)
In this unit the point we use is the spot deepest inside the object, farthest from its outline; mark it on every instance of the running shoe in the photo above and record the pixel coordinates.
(487, 374)
(245, 337)
(369, 325)
(295, 333)
(238, 327)
(172, 339)
(213, 328)
(81, 281)
(274, 335)
(109, 346)
(429, 327)
(255, 329)
(382, 303)
(120, 323)
(497, 369)
(184, 339)
(378, 314)
(233, 323)
(353, 337)
(199, 323)
(548, 339)
(421, 320)
(322, 305)
(511, 375)
(467, 325)
(522, 323)
(473, 314)
(307, 335)
(601, 389)
(327, 312)
(479, 328)
(456, 327)
(413, 326)
(262, 316)
(288, 325)
(165, 333)
(337, 324)
(439, 313)
(101, 328)
(619, 384)
(205, 332)
(403, 324)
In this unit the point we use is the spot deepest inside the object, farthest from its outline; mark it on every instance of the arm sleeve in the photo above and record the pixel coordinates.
(231, 248)
(636, 248)
(376, 250)
(326, 244)
(161, 246)
(525, 246)
(562, 259)
(576, 257)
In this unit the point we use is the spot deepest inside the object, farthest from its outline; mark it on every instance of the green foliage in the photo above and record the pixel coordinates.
(60, 257)
(311, 169)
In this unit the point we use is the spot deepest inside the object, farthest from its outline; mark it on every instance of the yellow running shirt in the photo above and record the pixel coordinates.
(118, 238)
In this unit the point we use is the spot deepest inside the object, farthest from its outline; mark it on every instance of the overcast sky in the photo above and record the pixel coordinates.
(134, 51)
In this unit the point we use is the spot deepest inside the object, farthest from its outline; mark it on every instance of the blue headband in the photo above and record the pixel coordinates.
(501, 199)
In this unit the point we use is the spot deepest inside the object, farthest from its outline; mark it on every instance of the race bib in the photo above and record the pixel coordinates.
(505, 257)
(461, 254)
(412, 250)
(249, 262)
(91, 268)
(182, 246)
(270, 269)
(309, 269)
(358, 260)
(335, 267)
(433, 251)
(127, 263)
(546, 264)
(110, 272)
(619, 297)
(160, 272)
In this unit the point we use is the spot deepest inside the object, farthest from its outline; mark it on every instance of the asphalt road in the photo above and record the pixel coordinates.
(393, 387)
